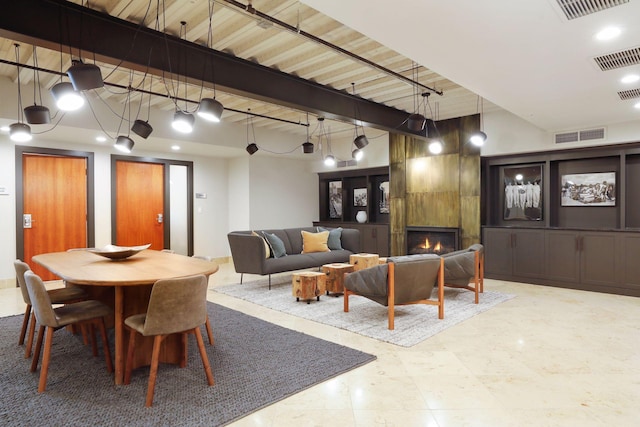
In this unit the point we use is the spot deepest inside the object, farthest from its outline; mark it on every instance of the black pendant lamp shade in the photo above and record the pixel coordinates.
(85, 76)
(37, 115)
(416, 122)
(361, 141)
(20, 132)
(307, 147)
(141, 128)
(124, 144)
(252, 148)
(210, 109)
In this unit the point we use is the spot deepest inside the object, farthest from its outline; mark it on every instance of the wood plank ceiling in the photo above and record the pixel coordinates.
(237, 29)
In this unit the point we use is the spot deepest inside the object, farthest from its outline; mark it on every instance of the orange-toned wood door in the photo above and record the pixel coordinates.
(139, 204)
(55, 202)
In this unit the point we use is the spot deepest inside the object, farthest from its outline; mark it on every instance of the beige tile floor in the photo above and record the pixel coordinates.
(549, 357)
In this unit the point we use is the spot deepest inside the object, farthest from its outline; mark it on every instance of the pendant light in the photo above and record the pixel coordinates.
(211, 109)
(307, 146)
(66, 97)
(479, 137)
(416, 121)
(19, 132)
(360, 141)
(252, 147)
(37, 114)
(84, 76)
(182, 120)
(124, 144)
(140, 127)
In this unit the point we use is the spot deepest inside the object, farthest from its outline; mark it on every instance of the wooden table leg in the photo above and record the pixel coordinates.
(119, 337)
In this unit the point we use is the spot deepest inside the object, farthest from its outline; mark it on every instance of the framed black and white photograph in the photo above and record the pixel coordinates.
(523, 193)
(384, 197)
(359, 197)
(589, 189)
(335, 199)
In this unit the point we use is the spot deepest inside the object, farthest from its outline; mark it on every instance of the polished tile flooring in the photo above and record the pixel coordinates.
(549, 357)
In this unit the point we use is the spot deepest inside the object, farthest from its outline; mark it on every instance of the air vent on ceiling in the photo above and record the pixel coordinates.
(345, 163)
(577, 8)
(580, 135)
(629, 94)
(623, 58)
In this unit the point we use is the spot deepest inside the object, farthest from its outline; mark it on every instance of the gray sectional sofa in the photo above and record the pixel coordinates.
(249, 251)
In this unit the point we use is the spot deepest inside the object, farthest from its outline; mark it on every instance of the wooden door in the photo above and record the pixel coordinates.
(139, 204)
(55, 201)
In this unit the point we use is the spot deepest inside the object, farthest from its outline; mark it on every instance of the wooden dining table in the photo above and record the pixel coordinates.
(125, 285)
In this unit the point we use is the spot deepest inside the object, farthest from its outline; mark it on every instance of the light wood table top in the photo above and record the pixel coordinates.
(146, 267)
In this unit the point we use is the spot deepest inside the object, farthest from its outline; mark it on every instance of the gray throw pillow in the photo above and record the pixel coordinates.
(276, 244)
(335, 234)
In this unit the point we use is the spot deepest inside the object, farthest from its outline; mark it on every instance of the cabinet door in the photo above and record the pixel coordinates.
(382, 239)
(498, 247)
(563, 256)
(528, 253)
(600, 259)
(631, 271)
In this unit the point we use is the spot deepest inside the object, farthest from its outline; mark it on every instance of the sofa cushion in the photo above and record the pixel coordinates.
(267, 249)
(275, 244)
(335, 235)
(314, 242)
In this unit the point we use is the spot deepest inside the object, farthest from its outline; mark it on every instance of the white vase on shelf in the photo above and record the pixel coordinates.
(361, 216)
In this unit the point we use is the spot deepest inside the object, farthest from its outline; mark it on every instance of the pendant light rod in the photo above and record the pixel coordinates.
(250, 9)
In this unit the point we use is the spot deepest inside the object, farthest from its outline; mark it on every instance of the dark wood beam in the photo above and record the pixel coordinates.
(57, 24)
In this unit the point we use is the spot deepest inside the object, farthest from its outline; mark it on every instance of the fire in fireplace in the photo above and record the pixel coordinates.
(432, 240)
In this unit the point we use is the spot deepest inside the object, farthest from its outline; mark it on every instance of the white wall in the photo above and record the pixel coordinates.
(510, 134)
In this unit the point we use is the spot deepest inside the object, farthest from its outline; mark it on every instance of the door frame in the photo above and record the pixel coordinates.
(88, 156)
(166, 203)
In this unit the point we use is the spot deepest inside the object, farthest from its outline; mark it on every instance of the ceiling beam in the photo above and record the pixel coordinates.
(58, 24)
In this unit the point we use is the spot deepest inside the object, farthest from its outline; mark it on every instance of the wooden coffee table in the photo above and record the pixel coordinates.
(362, 261)
(335, 276)
(308, 285)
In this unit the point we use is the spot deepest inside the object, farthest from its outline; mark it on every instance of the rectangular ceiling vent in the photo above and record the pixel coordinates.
(577, 8)
(629, 94)
(347, 163)
(580, 135)
(623, 58)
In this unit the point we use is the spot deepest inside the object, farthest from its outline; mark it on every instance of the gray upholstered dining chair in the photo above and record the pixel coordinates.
(176, 306)
(51, 319)
(68, 294)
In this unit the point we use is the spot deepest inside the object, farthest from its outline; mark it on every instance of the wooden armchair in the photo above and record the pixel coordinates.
(402, 280)
(465, 269)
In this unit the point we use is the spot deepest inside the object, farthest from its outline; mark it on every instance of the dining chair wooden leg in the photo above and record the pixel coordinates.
(130, 353)
(105, 345)
(32, 333)
(209, 330)
(94, 343)
(36, 354)
(153, 373)
(204, 357)
(25, 323)
(46, 357)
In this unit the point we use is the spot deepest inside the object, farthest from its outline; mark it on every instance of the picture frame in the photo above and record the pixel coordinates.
(335, 199)
(359, 197)
(523, 193)
(384, 197)
(588, 189)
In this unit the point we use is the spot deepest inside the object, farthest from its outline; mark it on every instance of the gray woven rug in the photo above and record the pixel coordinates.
(413, 323)
(255, 363)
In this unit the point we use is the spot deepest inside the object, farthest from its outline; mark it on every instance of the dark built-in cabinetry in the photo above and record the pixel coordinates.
(345, 193)
(582, 233)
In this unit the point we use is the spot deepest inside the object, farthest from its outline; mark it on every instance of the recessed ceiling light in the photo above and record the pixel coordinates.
(101, 138)
(4, 128)
(630, 78)
(608, 33)
(175, 147)
(637, 105)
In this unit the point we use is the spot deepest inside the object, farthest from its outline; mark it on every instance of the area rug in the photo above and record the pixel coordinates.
(413, 323)
(255, 363)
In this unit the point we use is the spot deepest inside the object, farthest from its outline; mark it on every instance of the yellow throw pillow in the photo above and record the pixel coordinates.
(267, 249)
(315, 242)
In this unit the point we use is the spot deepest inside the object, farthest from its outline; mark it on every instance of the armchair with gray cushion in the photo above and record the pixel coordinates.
(402, 280)
(465, 269)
